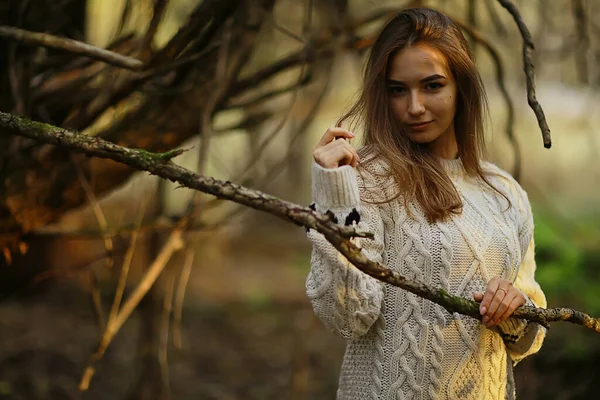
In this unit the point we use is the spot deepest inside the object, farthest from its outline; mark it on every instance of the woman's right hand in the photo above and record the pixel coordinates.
(333, 150)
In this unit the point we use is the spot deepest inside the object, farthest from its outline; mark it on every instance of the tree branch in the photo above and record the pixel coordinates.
(338, 236)
(71, 46)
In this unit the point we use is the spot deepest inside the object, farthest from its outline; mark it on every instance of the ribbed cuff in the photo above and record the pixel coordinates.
(335, 188)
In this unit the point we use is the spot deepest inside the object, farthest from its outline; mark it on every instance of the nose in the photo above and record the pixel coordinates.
(415, 105)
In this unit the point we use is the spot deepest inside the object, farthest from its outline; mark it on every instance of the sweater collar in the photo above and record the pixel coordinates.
(452, 166)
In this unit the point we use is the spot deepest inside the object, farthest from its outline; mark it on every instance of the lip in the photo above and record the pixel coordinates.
(420, 126)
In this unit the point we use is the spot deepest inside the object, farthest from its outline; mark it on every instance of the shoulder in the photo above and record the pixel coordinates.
(512, 188)
(504, 179)
(503, 176)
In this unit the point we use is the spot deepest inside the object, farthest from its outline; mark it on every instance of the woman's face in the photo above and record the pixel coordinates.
(423, 97)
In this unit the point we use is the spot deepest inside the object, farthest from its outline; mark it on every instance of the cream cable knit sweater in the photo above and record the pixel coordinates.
(401, 346)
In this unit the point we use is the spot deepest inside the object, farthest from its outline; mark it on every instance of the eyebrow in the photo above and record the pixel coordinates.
(424, 80)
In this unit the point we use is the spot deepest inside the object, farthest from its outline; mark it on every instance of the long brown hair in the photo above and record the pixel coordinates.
(419, 174)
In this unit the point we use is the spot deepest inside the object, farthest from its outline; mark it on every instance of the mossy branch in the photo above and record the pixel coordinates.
(339, 236)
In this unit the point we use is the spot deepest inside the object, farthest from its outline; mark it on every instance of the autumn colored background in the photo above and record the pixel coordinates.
(228, 317)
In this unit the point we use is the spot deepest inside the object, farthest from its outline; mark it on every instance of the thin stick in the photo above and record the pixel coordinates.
(164, 333)
(98, 213)
(580, 16)
(71, 46)
(184, 278)
(97, 302)
(529, 71)
(108, 245)
(173, 244)
(159, 10)
(126, 265)
(500, 29)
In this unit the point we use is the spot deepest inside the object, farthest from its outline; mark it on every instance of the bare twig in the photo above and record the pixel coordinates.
(308, 54)
(125, 15)
(159, 10)
(500, 29)
(98, 213)
(269, 95)
(71, 46)
(108, 246)
(125, 267)
(97, 301)
(173, 244)
(288, 32)
(337, 235)
(16, 85)
(583, 39)
(164, 333)
(184, 278)
(205, 19)
(472, 21)
(529, 74)
(180, 62)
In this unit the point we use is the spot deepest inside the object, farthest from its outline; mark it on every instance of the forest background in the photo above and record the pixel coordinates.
(248, 87)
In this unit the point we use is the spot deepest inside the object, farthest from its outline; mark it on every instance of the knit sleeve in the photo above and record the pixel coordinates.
(524, 338)
(345, 299)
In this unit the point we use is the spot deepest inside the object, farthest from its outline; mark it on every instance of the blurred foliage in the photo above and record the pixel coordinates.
(567, 260)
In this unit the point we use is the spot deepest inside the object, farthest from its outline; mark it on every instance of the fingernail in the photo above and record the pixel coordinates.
(351, 134)
(482, 310)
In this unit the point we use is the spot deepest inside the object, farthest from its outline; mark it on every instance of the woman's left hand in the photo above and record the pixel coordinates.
(499, 301)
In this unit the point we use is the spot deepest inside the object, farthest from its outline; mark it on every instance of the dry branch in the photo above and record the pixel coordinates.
(173, 244)
(338, 236)
(71, 46)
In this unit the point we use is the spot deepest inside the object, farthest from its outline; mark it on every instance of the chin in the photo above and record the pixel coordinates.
(422, 138)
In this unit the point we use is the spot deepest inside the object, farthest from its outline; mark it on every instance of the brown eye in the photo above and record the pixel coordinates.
(434, 86)
(396, 90)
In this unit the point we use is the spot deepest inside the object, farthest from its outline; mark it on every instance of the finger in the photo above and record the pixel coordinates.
(494, 304)
(502, 307)
(490, 291)
(503, 296)
(356, 159)
(516, 303)
(344, 156)
(478, 297)
(335, 154)
(347, 146)
(333, 133)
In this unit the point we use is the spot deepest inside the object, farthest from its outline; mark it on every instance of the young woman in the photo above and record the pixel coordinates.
(439, 213)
